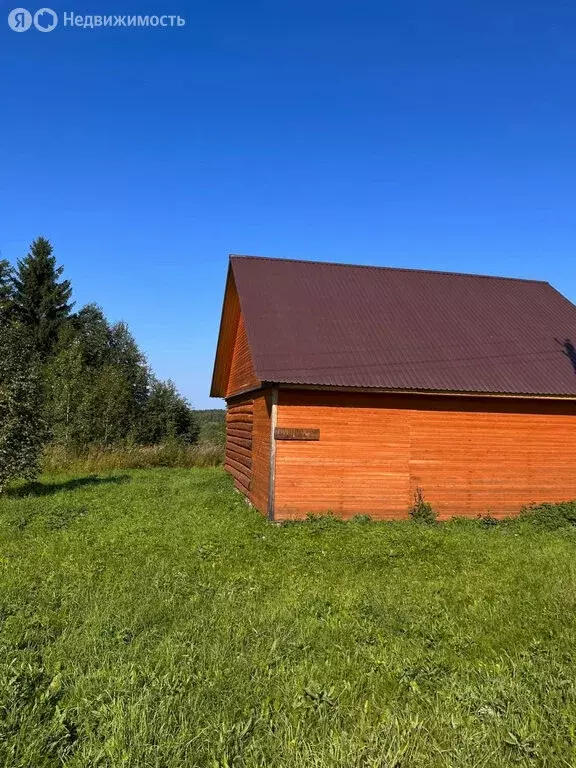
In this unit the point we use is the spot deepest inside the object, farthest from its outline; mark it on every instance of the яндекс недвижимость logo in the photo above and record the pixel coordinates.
(45, 20)
(20, 20)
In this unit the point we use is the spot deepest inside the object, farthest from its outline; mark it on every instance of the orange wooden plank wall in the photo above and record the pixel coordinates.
(248, 446)
(261, 451)
(242, 374)
(234, 370)
(469, 455)
(239, 442)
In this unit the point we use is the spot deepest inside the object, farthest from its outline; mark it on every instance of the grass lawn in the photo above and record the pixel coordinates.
(150, 618)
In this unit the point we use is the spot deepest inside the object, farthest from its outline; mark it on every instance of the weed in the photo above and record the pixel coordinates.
(487, 520)
(361, 519)
(551, 516)
(422, 511)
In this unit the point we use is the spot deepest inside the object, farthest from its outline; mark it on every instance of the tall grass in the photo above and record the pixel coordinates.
(100, 459)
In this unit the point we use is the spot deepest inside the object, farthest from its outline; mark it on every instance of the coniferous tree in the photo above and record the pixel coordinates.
(22, 429)
(6, 289)
(41, 300)
(86, 377)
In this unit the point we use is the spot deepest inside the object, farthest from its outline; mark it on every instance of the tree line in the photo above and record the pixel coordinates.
(73, 378)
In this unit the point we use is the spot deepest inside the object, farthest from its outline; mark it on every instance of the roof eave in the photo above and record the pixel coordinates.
(434, 392)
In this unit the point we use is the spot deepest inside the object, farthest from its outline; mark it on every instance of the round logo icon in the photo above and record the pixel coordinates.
(20, 20)
(45, 20)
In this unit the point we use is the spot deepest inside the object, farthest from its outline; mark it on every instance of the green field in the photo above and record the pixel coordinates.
(150, 618)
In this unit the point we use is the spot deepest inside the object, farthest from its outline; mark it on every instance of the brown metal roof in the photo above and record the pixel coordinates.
(353, 326)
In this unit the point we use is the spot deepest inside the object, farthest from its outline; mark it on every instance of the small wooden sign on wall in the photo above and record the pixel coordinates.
(286, 433)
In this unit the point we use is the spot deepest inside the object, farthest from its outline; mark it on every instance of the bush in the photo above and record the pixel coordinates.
(487, 520)
(550, 516)
(421, 511)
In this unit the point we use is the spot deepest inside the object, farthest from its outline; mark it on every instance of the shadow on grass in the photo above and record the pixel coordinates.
(46, 489)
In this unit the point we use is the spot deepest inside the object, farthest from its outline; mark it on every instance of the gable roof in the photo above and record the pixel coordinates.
(339, 325)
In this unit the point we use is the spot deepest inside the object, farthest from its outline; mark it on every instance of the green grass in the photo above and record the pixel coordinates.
(150, 618)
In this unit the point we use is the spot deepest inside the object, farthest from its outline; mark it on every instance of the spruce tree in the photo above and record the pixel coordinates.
(41, 299)
(22, 428)
(6, 289)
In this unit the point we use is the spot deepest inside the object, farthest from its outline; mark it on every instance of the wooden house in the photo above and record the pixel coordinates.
(348, 387)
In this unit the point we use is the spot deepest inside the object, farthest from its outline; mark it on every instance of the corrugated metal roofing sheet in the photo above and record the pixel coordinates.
(376, 327)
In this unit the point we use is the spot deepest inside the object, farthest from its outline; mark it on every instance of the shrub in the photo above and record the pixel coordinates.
(487, 520)
(362, 519)
(551, 516)
(421, 511)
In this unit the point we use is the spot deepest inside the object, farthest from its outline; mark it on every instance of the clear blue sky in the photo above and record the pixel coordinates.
(437, 135)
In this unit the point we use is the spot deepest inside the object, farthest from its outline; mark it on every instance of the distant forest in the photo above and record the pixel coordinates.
(212, 426)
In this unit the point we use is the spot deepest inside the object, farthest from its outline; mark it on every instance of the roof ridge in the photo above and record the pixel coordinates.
(392, 269)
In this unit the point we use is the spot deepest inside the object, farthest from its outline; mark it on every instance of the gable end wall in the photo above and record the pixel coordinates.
(233, 368)
(242, 376)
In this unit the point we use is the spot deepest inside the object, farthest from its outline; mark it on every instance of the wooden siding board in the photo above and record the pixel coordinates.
(248, 446)
(238, 458)
(233, 367)
(244, 466)
(239, 432)
(239, 418)
(242, 374)
(240, 477)
(241, 407)
(351, 469)
(469, 457)
(261, 451)
(226, 338)
(240, 442)
(233, 449)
